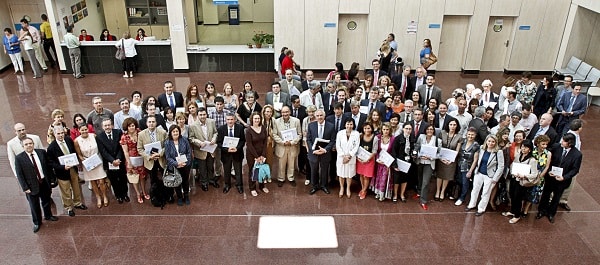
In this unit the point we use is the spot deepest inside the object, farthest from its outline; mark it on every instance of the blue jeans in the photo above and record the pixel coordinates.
(464, 187)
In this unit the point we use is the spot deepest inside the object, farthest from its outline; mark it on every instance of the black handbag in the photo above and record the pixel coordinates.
(172, 179)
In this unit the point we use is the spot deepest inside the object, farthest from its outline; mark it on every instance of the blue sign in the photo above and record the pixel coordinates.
(435, 26)
(225, 2)
(525, 27)
(329, 25)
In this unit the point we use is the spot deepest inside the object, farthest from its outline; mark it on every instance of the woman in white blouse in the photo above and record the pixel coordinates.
(128, 45)
(426, 162)
(346, 144)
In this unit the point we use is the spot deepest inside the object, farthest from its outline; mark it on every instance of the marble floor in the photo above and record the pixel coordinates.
(222, 228)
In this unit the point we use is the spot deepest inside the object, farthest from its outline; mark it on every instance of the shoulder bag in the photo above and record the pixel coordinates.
(120, 54)
(172, 179)
(431, 60)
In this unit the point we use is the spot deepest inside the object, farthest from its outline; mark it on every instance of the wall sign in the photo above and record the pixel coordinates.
(524, 27)
(435, 26)
(498, 23)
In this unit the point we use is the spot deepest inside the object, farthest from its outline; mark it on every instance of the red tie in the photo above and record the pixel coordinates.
(37, 170)
(375, 78)
(313, 100)
(404, 87)
(416, 129)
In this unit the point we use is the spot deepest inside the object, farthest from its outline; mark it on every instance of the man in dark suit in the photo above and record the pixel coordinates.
(68, 179)
(429, 90)
(329, 98)
(375, 72)
(418, 125)
(337, 119)
(373, 102)
(543, 127)
(35, 177)
(320, 155)
(402, 81)
(299, 112)
(488, 98)
(442, 118)
(479, 125)
(570, 107)
(567, 157)
(151, 112)
(232, 156)
(359, 118)
(417, 80)
(113, 159)
(310, 76)
(342, 99)
(170, 98)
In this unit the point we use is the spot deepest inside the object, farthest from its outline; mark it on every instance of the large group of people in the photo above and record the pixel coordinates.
(391, 134)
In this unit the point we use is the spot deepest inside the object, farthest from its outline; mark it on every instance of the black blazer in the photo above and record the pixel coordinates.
(551, 132)
(110, 150)
(326, 98)
(398, 149)
(329, 133)
(447, 120)
(422, 128)
(413, 85)
(362, 118)
(163, 102)
(381, 73)
(160, 121)
(54, 151)
(238, 131)
(379, 106)
(301, 113)
(410, 85)
(27, 175)
(570, 164)
(331, 119)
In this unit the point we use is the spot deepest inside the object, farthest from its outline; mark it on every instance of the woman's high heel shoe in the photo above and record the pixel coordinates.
(341, 193)
(105, 201)
(99, 204)
(140, 200)
(348, 193)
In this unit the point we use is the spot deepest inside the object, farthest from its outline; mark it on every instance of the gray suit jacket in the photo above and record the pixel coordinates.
(495, 165)
(284, 86)
(197, 136)
(144, 138)
(278, 127)
(436, 93)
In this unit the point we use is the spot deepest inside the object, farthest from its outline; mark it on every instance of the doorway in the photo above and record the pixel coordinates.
(352, 37)
(497, 42)
(452, 43)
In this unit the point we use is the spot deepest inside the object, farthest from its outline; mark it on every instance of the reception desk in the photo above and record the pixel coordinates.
(99, 57)
(230, 58)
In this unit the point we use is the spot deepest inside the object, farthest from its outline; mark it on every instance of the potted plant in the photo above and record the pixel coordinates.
(269, 39)
(258, 39)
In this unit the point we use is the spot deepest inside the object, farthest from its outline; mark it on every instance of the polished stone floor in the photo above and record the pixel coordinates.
(222, 228)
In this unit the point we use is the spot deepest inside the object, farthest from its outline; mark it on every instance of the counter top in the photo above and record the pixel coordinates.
(113, 43)
(227, 49)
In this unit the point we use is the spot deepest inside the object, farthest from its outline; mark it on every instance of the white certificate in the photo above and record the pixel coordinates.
(111, 167)
(386, 158)
(289, 135)
(180, 109)
(557, 171)
(428, 150)
(150, 146)
(403, 165)
(136, 161)
(181, 159)
(277, 106)
(68, 160)
(363, 154)
(448, 154)
(92, 162)
(230, 142)
(364, 109)
(210, 148)
(520, 169)
(320, 142)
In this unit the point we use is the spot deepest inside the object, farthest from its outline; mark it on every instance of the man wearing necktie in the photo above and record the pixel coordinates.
(277, 99)
(68, 179)
(359, 118)
(429, 90)
(170, 98)
(35, 177)
(201, 134)
(232, 156)
(567, 157)
(403, 82)
(154, 161)
(543, 128)
(571, 107)
(376, 72)
(286, 150)
(113, 159)
(319, 154)
(373, 102)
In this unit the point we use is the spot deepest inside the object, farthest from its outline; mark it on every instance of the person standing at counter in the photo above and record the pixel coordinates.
(48, 41)
(129, 46)
(105, 36)
(74, 52)
(85, 37)
(12, 47)
(141, 34)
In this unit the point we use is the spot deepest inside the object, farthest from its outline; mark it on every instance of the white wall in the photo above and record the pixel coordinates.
(582, 37)
(93, 23)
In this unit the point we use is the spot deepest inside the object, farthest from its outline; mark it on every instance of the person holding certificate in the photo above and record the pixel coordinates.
(446, 169)
(232, 155)
(427, 147)
(256, 147)
(347, 143)
(468, 152)
(269, 122)
(366, 168)
(179, 157)
(382, 185)
(310, 111)
(66, 173)
(286, 134)
(129, 145)
(489, 169)
(402, 150)
(566, 159)
(86, 147)
(543, 158)
(524, 173)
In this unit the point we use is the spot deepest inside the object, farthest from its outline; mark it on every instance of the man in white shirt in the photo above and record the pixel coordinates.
(15, 145)
(124, 113)
(402, 81)
(529, 119)
(503, 123)
(462, 116)
(312, 96)
(514, 125)
(73, 44)
(37, 40)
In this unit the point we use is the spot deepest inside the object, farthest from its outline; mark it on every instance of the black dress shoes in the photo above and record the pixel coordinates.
(312, 191)
(565, 206)
(226, 189)
(240, 190)
(71, 213)
(127, 199)
(469, 209)
(216, 185)
(326, 190)
(479, 213)
(81, 207)
(204, 187)
(279, 183)
(539, 215)
(551, 218)
(51, 218)
(293, 183)
(36, 228)
(120, 201)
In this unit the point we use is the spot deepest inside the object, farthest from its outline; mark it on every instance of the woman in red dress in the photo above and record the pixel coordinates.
(366, 169)
(129, 145)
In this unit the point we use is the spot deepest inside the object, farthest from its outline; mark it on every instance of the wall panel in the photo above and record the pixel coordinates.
(320, 41)
(459, 7)
(354, 6)
(289, 29)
